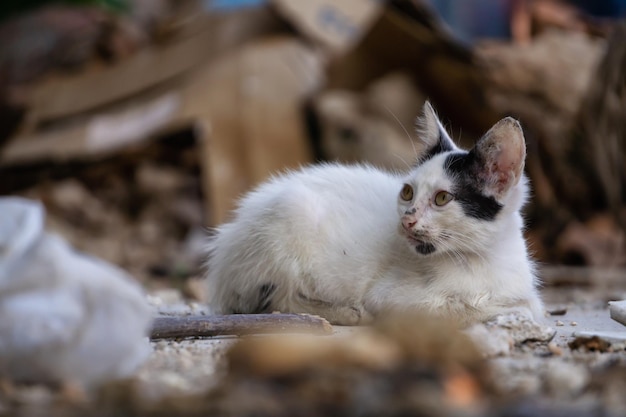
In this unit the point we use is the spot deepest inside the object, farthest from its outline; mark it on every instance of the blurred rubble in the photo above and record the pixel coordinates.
(137, 128)
(226, 95)
(392, 368)
(64, 317)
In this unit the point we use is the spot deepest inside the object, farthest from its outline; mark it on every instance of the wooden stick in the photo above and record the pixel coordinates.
(237, 325)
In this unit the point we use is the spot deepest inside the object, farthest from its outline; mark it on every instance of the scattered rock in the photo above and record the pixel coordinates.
(195, 289)
(558, 311)
(512, 375)
(522, 328)
(491, 341)
(498, 336)
(607, 336)
(554, 349)
(390, 370)
(618, 311)
(590, 343)
(565, 379)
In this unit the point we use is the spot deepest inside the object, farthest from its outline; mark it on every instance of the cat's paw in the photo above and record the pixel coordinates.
(350, 316)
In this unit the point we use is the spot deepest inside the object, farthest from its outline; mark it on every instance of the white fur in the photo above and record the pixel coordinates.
(330, 239)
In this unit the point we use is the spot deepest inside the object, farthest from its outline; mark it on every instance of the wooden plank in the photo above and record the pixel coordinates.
(66, 97)
(211, 36)
(237, 325)
(251, 118)
(278, 75)
(98, 136)
(224, 167)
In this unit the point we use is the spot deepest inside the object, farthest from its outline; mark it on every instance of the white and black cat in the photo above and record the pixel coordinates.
(350, 243)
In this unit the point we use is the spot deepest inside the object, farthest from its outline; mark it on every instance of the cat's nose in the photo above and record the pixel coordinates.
(408, 222)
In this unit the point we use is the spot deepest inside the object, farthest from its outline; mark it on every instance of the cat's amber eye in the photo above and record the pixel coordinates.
(442, 198)
(407, 193)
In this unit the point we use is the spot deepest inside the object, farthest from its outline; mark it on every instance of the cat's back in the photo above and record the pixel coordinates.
(344, 182)
(326, 192)
(325, 220)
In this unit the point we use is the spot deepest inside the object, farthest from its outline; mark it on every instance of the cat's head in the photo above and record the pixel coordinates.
(456, 200)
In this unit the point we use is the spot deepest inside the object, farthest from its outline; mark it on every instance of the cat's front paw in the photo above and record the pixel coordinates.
(349, 316)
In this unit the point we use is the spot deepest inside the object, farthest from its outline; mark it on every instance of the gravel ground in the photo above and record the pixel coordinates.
(535, 377)
(192, 366)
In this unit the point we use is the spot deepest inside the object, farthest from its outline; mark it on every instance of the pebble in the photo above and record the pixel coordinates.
(565, 379)
(554, 349)
(522, 328)
(617, 310)
(491, 342)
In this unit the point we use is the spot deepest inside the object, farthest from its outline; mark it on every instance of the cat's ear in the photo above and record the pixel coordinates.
(432, 133)
(501, 152)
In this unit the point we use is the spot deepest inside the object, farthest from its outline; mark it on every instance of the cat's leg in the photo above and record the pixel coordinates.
(348, 313)
(270, 297)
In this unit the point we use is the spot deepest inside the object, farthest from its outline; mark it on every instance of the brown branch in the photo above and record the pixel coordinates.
(237, 325)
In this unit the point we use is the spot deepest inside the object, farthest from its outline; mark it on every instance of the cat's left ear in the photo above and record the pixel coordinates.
(501, 151)
(432, 133)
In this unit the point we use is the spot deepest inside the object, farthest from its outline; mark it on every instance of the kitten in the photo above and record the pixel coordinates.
(350, 243)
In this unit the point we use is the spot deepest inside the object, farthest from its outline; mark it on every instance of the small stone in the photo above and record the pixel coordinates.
(558, 311)
(559, 323)
(195, 289)
(589, 343)
(491, 341)
(554, 349)
(617, 310)
(565, 379)
(573, 323)
(521, 328)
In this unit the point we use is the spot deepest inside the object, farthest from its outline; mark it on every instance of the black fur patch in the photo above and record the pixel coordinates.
(465, 167)
(443, 145)
(314, 301)
(265, 298)
(425, 248)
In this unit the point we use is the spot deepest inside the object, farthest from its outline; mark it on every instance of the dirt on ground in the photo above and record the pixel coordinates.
(573, 363)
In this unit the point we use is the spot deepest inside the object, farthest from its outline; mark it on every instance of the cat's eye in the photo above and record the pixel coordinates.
(442, 198)
(406, 193)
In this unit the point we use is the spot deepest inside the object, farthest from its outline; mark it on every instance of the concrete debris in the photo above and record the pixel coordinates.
(560, 378)
(618, 311)
(607, 336)
(565, 379)
(590, 342)
(64, 316)
(512, 375)
(491, 341)
(498, 336)
(522, 328)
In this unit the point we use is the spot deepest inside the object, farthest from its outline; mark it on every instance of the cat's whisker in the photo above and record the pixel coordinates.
(409, 167)
(461, 246)
(408, 135)
(451, 251)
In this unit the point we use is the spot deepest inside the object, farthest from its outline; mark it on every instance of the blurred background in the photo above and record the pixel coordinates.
(138, 123)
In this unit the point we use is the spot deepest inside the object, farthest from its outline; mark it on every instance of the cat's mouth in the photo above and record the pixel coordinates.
(422, 247)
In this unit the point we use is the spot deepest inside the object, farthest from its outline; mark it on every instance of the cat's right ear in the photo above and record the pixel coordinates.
(432, 134)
